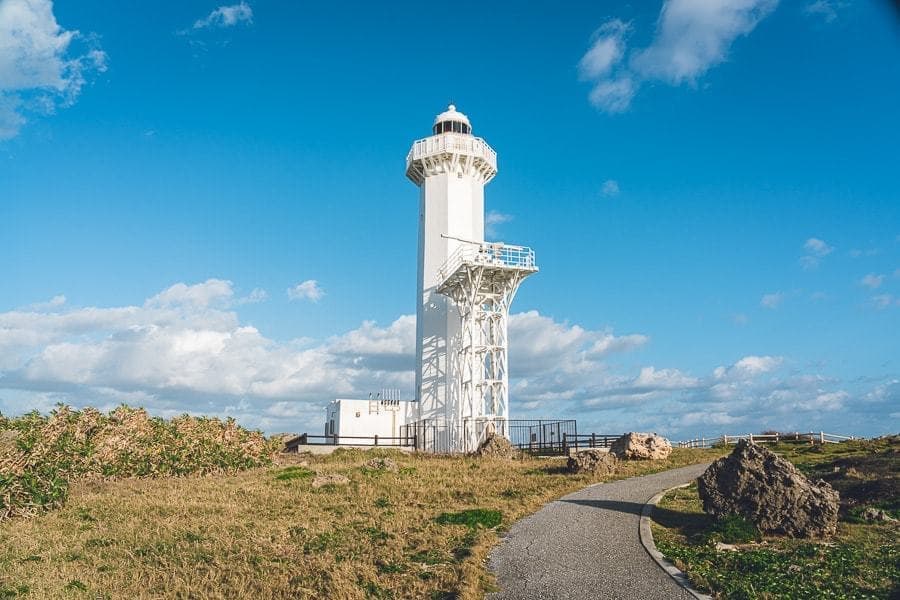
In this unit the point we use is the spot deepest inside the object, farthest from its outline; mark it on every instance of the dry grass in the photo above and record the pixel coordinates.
(253, 535)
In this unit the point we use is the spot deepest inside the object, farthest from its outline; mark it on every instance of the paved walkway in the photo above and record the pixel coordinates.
(586, 545)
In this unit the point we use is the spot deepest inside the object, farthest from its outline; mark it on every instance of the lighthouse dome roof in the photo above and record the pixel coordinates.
(451, 114)
(452, 121)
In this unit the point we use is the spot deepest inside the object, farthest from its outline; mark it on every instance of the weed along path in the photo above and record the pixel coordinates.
(587, 545)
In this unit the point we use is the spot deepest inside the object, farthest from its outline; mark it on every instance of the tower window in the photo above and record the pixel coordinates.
(450, 127)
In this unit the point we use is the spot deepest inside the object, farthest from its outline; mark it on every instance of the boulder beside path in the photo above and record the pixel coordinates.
(768, 490)
(496, 446)
(641, 446)
(596, 462)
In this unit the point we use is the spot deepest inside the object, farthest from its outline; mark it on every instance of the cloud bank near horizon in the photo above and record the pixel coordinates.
(185, 349)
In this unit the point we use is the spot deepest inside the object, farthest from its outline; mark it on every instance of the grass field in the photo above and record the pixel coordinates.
(423, 531)
(862, 561)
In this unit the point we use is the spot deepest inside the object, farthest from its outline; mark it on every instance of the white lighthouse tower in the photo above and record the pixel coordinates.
(465, 287)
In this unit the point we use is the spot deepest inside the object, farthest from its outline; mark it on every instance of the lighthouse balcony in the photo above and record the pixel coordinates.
(434, 153)
(497, 258)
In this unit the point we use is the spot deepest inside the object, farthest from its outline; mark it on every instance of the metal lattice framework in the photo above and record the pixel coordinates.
(482, 279)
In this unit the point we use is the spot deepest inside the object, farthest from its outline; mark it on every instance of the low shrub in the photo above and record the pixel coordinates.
(43, 454)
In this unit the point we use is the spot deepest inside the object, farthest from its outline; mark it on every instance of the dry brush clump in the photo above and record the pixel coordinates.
(40, 455)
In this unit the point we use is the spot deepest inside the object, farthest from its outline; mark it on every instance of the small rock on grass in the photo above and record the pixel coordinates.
(496, 446)
(596, 462)
(383, 464)
(872, 514)
(329, 479)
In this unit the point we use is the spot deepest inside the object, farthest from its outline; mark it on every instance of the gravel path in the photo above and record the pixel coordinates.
(586, 545)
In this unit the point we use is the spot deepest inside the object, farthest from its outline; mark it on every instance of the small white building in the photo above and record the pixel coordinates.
(350, 421)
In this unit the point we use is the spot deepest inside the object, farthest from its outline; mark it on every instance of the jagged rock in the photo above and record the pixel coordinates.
(769, 491)
(596, 462)
(641, 446)
(876, 514)
(496, 446)
(383, 464)
(329, 479)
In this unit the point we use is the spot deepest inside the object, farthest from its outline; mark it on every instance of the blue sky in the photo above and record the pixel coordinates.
(203, 206)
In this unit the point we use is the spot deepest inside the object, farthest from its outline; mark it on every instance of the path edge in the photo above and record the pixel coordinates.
(646, 535)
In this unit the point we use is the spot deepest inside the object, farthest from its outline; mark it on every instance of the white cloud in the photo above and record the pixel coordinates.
(226, 16)
(872, 281)
(493, 219)
(882, 301)
(606, 51)
(817, 247)
(306, 290)
(255, 296)
(691, 37)
(827, 10)
(610, 188)
(40, 67)
(201, 295)
(772, 300)
(829, 401)
(749, 366)
(186, 350)
(816, 250)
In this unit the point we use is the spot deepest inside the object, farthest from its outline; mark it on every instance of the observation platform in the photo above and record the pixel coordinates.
(431, 153)
(501, 261)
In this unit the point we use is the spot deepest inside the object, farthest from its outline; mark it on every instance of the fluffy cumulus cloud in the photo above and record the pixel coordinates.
(43, 67)
(186, 349)
(306, 290)
(814, 251)
(226, 16)
(691, 37)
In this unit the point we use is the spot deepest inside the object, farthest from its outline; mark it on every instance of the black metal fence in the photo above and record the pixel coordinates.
(542, 437)
(538, 437)
(402, 441)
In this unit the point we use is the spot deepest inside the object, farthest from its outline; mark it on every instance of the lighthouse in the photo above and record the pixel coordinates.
(465, 287)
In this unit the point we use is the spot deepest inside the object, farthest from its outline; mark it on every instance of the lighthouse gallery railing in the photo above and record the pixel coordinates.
(490, 254)
(449, 142)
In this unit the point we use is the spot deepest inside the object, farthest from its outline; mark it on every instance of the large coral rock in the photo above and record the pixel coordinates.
(769, 491)
(641, 446)
(596, 462)
(496, 446)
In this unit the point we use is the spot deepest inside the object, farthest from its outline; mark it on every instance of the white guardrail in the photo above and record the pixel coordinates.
(769, 438)
(491, 254)
(448, 142)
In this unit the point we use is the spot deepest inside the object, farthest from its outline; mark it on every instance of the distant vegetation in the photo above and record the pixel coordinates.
(420, 530)
(40, 456)
(862, 561)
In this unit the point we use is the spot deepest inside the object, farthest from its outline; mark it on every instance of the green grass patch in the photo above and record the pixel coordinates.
(473, 518)
(291, 473)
